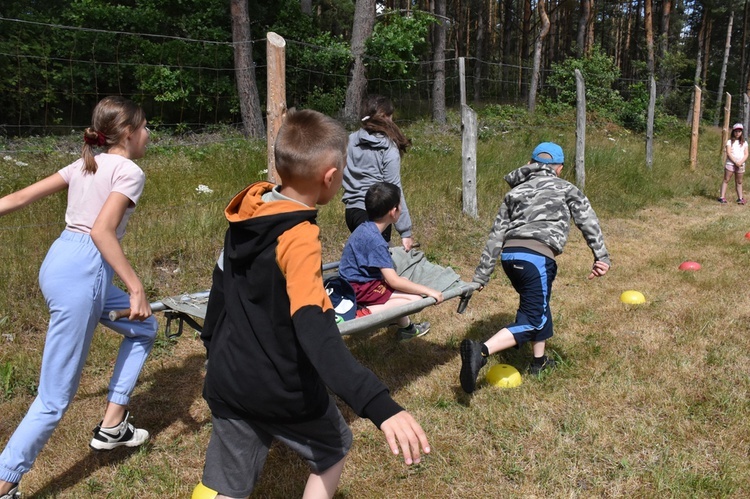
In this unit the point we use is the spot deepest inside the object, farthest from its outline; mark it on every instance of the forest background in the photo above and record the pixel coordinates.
(195, 64)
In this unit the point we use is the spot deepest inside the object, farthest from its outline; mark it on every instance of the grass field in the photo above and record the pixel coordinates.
(647, 401)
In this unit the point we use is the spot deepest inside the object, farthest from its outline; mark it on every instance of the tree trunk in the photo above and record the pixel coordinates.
(479, 53)
(364, 22)
(247, 89)
(745, 81)
(664, 45)
(698, 67)
(438, 65)
(583, 28)
(648, 22)
(724, 63)
(523, 48)
(590, 29)
(538, 55)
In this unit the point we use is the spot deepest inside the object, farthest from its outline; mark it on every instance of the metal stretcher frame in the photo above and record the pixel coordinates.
(183, 308)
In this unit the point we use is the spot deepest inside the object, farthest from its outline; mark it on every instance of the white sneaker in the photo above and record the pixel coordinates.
(12, 493)
(122, 434)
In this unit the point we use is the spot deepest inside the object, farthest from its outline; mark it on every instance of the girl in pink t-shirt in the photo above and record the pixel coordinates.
(735, 163)
(76, 281)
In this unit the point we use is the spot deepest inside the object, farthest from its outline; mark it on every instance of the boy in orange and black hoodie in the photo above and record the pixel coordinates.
(271, 334)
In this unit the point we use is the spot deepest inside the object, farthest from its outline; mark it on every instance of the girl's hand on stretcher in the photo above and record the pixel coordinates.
(402, 430)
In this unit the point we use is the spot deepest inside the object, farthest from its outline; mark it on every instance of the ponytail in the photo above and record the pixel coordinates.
(111, 122)
(375, 116)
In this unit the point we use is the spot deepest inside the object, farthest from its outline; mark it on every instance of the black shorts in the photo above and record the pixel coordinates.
(238, 448)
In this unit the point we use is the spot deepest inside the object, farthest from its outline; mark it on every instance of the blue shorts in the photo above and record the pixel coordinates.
(531, 275)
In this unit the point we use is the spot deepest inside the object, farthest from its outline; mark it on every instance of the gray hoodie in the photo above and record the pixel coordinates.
(539, 206)
(371, 159)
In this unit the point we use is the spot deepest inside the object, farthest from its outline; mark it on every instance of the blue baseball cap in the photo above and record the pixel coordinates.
(550, 148)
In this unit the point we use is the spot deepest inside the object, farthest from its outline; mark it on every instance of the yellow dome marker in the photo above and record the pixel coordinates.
(503, 376)
(632, 297)
(202, 492)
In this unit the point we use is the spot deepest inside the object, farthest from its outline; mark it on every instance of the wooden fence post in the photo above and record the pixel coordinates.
(650, 124)
(469, 160)
(580, 131)
(696, 126)
(725, 133)
(276, 100)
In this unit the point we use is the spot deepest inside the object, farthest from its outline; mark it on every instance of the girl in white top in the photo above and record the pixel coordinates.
(735, 164)
(76, 281)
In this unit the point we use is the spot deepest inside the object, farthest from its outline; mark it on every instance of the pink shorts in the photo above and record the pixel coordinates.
(729, 166)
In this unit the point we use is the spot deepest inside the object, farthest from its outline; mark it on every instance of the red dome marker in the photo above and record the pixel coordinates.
(690, 266)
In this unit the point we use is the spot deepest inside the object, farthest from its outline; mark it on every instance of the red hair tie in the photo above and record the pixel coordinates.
(100, 139)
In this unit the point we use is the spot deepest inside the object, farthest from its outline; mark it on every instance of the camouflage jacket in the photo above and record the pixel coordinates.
(539, 206)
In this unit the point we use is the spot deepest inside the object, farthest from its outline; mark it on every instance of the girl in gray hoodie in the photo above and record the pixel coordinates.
(374, 155)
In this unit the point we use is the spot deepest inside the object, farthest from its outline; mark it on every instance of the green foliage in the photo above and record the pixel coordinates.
(323, 89)
(60, 73)
(599, 74)
(396, 46)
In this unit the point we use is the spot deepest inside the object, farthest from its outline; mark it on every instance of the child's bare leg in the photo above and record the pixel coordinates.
(502, 340)
(724, 183)
(738, 184)
(5, 486)
(537, 347)
(324, 485)
(113, 415)
(396, 299)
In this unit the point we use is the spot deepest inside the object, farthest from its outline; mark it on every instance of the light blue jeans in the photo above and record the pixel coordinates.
(77, 285)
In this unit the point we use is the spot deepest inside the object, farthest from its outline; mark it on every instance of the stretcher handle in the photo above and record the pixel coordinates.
(119, 314)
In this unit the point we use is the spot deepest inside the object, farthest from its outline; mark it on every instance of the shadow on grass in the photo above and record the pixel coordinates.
(157, 410)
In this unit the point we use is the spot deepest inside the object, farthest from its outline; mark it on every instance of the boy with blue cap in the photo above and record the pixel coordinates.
(530, 230)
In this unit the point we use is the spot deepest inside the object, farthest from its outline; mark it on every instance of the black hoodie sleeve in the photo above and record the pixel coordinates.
(215, 308)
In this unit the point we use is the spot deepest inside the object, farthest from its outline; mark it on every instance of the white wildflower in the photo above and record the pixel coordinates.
(203, 189)
(21, 163)
(611, 138)
(263, 172)
(7, 158)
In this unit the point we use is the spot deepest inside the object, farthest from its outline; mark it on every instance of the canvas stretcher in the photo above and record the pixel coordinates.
(186, 308)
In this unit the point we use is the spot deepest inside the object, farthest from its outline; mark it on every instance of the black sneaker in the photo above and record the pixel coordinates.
(472, 361)
(12, 493)
(124, 434)
(537, 367)
(413, 331)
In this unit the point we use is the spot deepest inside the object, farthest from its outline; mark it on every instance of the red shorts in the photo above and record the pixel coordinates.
(372, 292)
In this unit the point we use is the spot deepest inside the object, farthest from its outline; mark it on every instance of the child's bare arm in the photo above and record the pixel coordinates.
(402, 430)
(406, 286)
(27, 195)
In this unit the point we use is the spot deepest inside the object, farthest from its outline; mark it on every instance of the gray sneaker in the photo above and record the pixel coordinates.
(413, 331)
(12, 493)
(124, 434)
